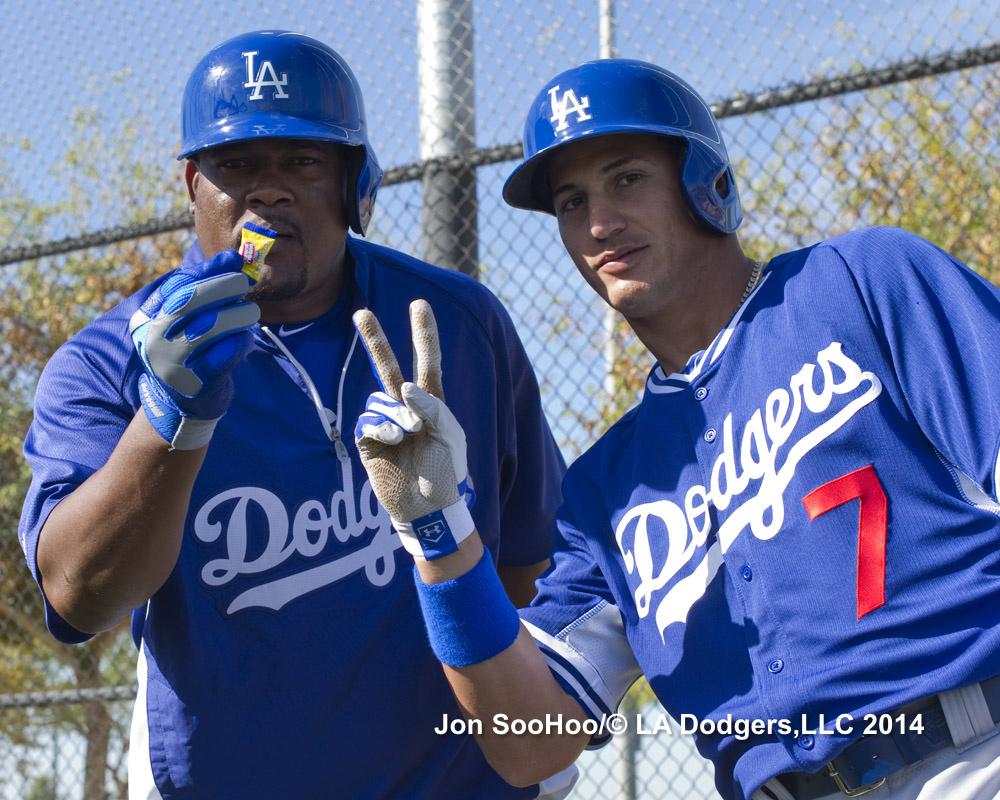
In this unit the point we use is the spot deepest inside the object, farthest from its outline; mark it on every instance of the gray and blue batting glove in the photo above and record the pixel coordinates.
(190, 333)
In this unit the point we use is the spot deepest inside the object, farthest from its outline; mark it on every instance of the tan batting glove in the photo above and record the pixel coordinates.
(410, 443)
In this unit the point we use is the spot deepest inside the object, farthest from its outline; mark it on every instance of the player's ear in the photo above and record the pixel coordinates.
(192, 176)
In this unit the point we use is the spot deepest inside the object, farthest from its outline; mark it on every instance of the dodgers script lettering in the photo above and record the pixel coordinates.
(791, 423)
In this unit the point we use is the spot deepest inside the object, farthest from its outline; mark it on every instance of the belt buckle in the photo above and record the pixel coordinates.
(832, 772)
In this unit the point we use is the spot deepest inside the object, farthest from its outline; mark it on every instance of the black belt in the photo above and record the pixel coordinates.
(866, 763)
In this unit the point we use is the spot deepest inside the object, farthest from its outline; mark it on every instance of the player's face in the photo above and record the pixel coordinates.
(294, 187)
(624, 222)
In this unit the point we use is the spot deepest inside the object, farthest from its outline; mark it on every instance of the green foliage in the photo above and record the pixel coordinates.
(42, 789)
(625, 383)
(922, 155)
(926, 159)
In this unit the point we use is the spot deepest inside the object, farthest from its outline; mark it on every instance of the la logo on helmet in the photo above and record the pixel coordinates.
(568, 105)
(266, 76)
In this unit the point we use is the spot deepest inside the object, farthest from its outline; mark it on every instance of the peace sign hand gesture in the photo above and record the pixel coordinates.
(410, 443)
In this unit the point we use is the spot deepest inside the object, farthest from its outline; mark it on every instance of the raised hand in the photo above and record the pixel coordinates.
(410, 443)
(190, 334)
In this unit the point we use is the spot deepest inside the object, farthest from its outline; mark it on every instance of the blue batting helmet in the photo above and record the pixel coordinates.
(625, 96)
(278, 84)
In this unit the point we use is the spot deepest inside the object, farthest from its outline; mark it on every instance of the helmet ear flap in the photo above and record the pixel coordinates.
(361, 181)
(718, 210)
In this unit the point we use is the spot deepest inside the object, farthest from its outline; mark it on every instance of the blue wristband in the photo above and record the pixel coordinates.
(469, 619)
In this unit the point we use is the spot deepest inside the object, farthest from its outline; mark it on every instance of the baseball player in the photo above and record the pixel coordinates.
(190, 465)
(794, 536)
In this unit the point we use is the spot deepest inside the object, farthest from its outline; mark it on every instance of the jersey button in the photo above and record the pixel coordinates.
(701, 393)
(746, 572)
(710, 435)
(806, 741)
(776, 666)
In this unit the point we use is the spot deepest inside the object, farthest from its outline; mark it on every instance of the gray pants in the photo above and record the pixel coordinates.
(967, 770)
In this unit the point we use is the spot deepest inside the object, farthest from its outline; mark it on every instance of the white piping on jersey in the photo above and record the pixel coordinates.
(140, 770)
(333, 429)
(971, 491)
(661, 383)
(593, 655)
(996, 476)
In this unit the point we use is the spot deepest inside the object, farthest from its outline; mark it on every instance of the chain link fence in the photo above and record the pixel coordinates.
(837, 115)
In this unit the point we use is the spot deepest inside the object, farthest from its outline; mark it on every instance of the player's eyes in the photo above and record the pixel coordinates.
(570, 204)
(232, 163)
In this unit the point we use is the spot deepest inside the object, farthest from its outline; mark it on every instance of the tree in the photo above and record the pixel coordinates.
(42, 789)
(927, 162)
(921, 155)
(45, 302)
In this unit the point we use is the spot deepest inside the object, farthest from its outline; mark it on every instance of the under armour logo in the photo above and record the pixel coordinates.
(432, 531)
(266, 76)
(569, 104)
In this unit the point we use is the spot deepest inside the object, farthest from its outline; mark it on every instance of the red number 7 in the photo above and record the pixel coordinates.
(863, 485)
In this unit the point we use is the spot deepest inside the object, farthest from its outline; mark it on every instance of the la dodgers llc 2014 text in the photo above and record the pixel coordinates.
(555, 724)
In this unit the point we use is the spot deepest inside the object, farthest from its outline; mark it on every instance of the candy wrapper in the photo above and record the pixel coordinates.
(255, 242)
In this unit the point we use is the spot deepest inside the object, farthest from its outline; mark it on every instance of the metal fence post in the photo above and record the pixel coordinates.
(606, 12)
(447, 126)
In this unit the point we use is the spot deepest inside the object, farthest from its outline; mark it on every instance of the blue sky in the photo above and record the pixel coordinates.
(129, 60)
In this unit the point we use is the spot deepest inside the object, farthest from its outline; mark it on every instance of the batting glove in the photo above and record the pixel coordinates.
(190, 334)
(410, 443)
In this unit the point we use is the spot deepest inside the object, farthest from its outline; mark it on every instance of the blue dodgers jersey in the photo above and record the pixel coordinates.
(287, 644)
(805, 522)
